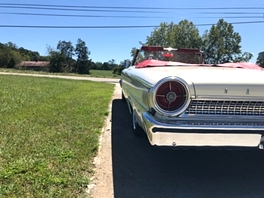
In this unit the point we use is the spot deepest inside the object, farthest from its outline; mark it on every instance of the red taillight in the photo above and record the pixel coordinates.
(171, 96)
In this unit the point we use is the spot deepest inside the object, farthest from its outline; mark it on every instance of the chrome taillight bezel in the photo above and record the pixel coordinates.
(185, 103)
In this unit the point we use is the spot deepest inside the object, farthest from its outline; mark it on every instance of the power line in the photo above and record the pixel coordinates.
(77, 27)
(110, 16)
(122, 11)
(77, 15)
(106, 27)
(131, 7)
(235, 17)
(142, 10)
(234, 23)
(105, 9)
(79, 9)
(120, 16)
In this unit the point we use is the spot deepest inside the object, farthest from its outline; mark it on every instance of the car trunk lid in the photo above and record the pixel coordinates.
(213, 82)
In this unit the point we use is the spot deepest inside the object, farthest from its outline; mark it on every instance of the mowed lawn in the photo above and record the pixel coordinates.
(49, 131)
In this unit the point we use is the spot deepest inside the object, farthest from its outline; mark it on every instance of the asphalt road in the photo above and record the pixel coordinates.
(143, 171)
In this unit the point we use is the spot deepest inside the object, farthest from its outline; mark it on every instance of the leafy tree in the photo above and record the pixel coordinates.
(5, 56)
(9, 57)
(260, 60)
(28, 55)
(125, 63)
(159, 36)
(182, 35)
(112, 64)
(105, 66)
(43, 58)
(93, 65)
(65, 48)
(118, 69)
(57, 61)
(11, 45)
(133, 53)
(222, 44)
(12, 63)
(67, 51)
(187, 35)
(82, 65)
(97, 65)
(24, 53)
(34, 56)
(244, 57)
(61, 59)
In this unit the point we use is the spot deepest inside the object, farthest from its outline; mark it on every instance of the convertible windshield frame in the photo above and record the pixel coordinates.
(183, 55)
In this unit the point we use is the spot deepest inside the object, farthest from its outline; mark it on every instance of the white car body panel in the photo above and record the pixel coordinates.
(219, 105)
(214, 82)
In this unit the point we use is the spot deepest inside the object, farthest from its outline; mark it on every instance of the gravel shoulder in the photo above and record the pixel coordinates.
(101, 185)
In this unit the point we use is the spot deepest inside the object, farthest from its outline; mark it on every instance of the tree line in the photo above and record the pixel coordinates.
(220, 44)
(64, 58)
(11, 55)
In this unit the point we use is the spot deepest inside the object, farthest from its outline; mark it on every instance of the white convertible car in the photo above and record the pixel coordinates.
(177, 100)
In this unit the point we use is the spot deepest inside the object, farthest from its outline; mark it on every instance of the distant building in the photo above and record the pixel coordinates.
(34, 65)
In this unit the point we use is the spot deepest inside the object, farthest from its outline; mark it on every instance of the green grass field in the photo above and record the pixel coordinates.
(49, 131)
(103, 74)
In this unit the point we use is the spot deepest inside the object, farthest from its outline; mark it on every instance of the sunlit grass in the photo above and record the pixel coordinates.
(93, 73)
(103, 74)
(49, 132)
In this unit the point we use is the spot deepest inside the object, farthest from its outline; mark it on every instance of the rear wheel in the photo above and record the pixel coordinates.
(138, 131)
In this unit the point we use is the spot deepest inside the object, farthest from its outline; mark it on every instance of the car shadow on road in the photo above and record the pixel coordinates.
(140, 170)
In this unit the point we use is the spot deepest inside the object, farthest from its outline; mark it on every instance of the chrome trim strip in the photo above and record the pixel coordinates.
(152, 123)
(145, 83)
(236, 98)
(140, 102)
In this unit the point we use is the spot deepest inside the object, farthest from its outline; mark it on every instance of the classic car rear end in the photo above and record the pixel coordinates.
(185, 104)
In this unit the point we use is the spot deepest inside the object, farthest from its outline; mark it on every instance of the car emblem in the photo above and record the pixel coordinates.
(226, 90)
(171, 96)
(247, 92)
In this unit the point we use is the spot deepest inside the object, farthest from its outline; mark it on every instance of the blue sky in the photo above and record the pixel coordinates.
(116, 43)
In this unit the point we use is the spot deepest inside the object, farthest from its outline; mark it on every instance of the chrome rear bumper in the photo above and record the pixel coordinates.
(162, 134)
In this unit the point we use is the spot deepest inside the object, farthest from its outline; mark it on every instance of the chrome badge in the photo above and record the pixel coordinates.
(247, 92)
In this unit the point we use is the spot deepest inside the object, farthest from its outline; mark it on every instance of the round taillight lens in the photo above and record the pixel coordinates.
(171, 96)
